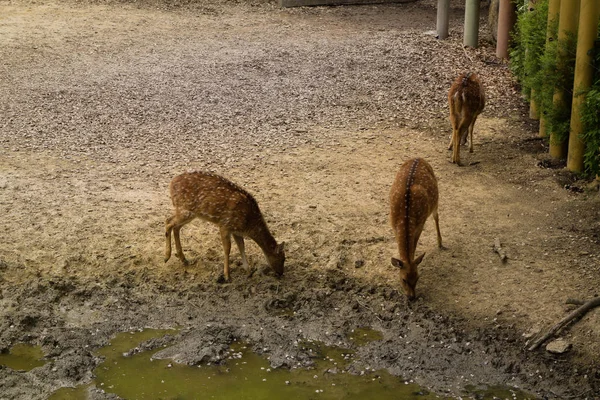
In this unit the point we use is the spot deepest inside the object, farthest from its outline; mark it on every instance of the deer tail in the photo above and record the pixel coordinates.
(466, 77)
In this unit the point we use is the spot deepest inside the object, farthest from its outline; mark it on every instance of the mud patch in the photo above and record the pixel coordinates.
(144, 374)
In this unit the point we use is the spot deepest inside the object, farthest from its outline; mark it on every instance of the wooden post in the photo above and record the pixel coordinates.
(587, 34)
(553, 15)
(471, 37)
(567, 24)
(443, 17)
(506, 21)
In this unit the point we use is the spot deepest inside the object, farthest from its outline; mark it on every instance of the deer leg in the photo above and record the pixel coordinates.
(239, 240)
(471, 133)
(168, 230)
(456, 146)
(178, 248)
(226, 240)
(454, 126)
(436, 218)
(458, 134)
(463, 137)
(174, 224)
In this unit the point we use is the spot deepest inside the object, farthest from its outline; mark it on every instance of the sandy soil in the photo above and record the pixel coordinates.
(312, 111)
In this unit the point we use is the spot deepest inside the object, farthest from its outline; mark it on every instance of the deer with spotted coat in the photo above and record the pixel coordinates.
(235, 211)
(413, 198)
(466, 99)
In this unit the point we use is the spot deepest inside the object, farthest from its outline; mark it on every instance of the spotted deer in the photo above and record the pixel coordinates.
(466, 100)
(413, 198)
(215, 199)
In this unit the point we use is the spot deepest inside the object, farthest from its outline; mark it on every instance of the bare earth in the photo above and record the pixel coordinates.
(312, 111)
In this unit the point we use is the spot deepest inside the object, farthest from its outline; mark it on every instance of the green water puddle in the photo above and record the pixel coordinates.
(363, 336)
(78, 393)
(246, 375)
(23, 357)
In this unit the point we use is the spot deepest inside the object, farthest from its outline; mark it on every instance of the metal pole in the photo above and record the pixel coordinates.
(505, 23)
(588, 32)
(567, 24)
(443, 12)
(553, 15)
(471, 37)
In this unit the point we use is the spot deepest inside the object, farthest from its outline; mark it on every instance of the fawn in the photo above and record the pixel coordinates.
(413, 198)
(466, 99)
(213, 198)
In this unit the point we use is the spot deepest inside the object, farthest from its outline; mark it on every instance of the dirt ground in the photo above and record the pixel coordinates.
(311, 110)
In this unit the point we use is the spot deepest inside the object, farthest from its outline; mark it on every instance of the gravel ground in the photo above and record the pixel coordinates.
(190, 99)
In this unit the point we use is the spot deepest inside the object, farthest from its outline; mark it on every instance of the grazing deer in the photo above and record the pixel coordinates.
(466, 99)
(213, 198)
(413, 198)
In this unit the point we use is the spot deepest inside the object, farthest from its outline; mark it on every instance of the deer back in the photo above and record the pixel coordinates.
(413, 197)
(466, 95)
(216, 199)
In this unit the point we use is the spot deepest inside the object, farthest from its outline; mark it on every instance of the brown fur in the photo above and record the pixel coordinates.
(413, 198)
(215, 199)
(466, 100)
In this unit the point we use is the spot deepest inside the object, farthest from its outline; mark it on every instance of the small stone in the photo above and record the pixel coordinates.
(359, 263)
(558, 346)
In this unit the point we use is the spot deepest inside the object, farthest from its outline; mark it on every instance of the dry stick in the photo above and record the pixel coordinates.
(575, 301)
(579, 312)
(465, 50)
(498, 249)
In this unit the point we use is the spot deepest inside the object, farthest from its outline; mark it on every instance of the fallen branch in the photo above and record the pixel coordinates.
(498, 249)
(578, 313)
(465, 50)
(533, 139)
(575, 301)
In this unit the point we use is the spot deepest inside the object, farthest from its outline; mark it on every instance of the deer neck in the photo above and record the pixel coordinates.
(407, 245)
(407, 254)
(262, 236)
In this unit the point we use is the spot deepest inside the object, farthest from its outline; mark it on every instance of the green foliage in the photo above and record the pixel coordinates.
(529, 39)
(558, 75)
(534, 63)
(590, 117)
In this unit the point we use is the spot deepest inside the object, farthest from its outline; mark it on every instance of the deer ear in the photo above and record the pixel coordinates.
(280, 247)
(397, 263)
(419, 259)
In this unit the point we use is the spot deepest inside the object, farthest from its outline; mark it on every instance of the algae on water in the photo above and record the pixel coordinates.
(246, 375)
(23, 357)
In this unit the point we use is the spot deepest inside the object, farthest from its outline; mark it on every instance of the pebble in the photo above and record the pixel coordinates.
(558, 346)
